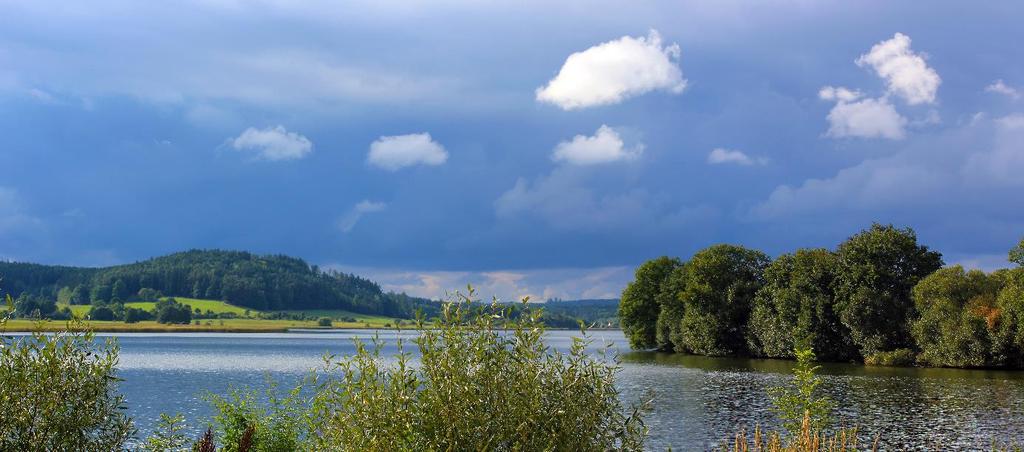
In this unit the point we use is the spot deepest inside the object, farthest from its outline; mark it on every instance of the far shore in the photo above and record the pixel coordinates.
(210, 326)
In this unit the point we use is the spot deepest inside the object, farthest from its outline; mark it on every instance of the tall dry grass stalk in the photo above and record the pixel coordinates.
(808, 440)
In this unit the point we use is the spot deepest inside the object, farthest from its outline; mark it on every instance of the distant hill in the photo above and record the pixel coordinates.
(261, 282)
(598, 312)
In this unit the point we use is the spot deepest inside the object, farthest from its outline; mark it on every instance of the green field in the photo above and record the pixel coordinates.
(215, 306)
(225, 325)
(242, 324)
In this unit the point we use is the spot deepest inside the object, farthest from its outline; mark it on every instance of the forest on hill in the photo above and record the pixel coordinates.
(601, 313)
(260, 282)
(880, 297)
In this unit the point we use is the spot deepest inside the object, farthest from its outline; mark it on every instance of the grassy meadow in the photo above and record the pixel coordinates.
(245, 323)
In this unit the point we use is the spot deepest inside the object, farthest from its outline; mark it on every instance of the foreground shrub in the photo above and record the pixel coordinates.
(58, 392)
(484, 380)
(250, 424)
(484, 383)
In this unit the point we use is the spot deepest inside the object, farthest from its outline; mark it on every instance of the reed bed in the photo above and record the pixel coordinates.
(807, 440)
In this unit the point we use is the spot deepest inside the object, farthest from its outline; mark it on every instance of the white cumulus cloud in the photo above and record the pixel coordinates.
(396, 152)
(273, 143)
(839, 94)
(1000, 87)
(720, 156)
(357, 212)
(906, 73)
(613, 71)
(603, 147)
(866, 118)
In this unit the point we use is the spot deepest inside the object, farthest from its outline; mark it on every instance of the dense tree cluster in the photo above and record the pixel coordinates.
(600, 313)
(271, 282)
(880, 296)
(32, 306)
(170, 310)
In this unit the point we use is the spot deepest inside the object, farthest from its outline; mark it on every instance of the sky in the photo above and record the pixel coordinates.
(529, 148)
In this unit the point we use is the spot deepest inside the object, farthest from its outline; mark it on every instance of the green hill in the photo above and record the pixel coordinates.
(241, 279)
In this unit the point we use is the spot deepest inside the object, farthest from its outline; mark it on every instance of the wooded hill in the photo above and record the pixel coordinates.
(261, 282)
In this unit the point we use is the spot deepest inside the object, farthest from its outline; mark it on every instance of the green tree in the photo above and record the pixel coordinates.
(1017, 254)
(796, 307)
(80, 295)
(719, 288)
(58, 392)
(802, 399)
(119, 291)
(639, 307)
(28, 305)
(1008, 341)
(101, 313)
(957, 315)
(134, 315)
(169, 310)
(671, 311)
(148, 294)
(101, 293)
(878, 269)
(65, 295)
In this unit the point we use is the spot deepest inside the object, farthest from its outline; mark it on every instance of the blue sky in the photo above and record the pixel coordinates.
(531, 148)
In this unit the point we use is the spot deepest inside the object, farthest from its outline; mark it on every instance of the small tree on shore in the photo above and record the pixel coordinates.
(801, 401)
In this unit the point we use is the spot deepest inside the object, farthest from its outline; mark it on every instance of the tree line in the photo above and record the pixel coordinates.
(260, 282)
(880, 297)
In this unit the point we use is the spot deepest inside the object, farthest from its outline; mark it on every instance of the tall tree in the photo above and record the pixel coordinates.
(639, 307)
(80, 295)
(101, 293)
(720, 285)
(65, 295)
(119, 291)
(1017, 254)
(957, 311)
(671, 311)
(796, 307)
(878, 269)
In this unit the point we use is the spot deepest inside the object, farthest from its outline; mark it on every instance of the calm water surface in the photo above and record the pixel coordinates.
(697, 400)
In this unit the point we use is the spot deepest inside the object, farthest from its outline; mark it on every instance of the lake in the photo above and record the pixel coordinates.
(698, 401)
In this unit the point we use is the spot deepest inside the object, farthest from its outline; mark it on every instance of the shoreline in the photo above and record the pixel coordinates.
(250, 326)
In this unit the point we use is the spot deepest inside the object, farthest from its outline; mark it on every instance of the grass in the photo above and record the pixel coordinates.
(240, 325)
(216, 306)
(212, 325)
